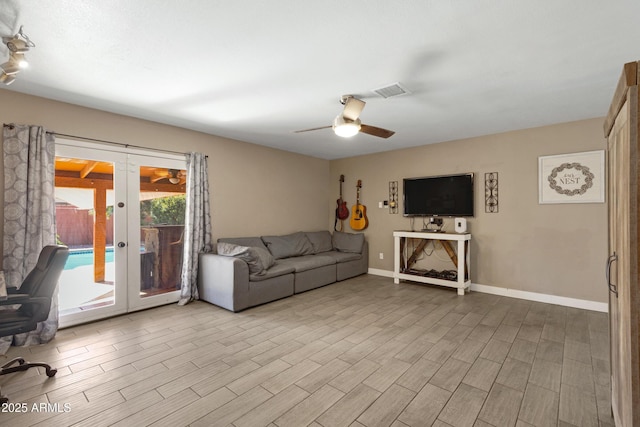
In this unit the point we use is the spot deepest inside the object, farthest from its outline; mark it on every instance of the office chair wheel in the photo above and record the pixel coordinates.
(51, 372)
(3, 400)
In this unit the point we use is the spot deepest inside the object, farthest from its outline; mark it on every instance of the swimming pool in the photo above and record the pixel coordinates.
(82, 257)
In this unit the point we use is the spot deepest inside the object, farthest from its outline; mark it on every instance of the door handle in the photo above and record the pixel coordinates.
(121, 244)
(612, 288)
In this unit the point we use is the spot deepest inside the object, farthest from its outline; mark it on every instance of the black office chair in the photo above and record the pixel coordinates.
(34, 298)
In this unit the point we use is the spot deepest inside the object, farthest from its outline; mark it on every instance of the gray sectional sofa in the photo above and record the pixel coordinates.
(248, 271)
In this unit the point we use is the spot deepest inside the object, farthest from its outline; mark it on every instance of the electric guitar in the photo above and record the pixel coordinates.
(358, 219)
(342, 212)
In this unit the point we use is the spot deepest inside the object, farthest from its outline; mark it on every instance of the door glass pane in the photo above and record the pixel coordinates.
(84, 221)
(162, 212)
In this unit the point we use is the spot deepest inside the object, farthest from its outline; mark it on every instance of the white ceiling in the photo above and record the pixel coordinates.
(258, 70)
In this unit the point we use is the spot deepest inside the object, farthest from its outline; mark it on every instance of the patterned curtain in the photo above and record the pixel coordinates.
(197, 228)
(29, 213)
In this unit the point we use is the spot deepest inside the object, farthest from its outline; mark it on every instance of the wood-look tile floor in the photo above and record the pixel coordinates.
(363, 352)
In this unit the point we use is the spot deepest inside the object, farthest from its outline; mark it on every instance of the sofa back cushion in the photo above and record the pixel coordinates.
(255, 242)
(320, 240)
(290, 245)
(259, 259)
(348, 242)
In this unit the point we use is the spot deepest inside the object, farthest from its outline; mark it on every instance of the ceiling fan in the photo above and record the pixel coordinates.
(348, 123)
(174, 176)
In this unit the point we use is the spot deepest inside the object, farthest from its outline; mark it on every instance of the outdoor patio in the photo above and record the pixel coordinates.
(78, 290)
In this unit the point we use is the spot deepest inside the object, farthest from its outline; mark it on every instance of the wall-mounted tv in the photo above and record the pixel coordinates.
(446, 195)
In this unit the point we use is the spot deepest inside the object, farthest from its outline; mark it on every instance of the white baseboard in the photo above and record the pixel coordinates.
(529, 296)
(550, 299)
(379, 272)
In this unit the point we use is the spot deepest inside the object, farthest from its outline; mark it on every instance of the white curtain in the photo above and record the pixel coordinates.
(197, 228)
(29, 213)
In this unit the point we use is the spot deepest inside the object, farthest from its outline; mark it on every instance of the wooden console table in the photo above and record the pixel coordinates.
(460, 258)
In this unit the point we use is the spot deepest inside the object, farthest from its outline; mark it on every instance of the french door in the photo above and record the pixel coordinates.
(121, 213)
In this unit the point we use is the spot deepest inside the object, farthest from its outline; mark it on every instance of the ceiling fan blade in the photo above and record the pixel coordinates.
(308, 130)
(352, 108)
(375, 131)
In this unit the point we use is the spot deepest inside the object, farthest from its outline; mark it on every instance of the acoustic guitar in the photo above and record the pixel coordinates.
(342, 212)
(358, 219)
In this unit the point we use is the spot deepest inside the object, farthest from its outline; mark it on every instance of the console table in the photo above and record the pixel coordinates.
(402, 265)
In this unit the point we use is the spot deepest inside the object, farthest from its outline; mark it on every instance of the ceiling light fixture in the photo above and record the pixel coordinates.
(174, 176)
(17, 45)
(346, 128)
(6, 78)
(10, 67)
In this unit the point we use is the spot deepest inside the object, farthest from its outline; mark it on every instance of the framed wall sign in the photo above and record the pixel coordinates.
(572, 178)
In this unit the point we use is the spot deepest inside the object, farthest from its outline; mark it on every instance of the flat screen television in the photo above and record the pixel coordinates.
(446, 195)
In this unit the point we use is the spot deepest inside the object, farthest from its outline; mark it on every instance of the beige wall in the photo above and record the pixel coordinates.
(549, 249)
(254, 190)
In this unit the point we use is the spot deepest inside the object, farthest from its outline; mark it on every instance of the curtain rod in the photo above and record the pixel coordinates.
(114, 143)
(84, 138)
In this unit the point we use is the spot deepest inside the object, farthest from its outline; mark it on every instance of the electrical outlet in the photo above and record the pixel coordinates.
(381, 255)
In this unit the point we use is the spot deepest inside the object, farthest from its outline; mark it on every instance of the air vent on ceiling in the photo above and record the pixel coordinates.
(394, 89)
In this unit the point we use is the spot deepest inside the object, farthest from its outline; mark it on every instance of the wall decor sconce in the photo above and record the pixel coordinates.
(491, 192)
(393, 197)
(17, 45)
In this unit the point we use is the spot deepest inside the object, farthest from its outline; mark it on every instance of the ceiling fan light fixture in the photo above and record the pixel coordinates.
(346, 128)
(174, 176)
(17, 45)
(20, 60)
(348, 123)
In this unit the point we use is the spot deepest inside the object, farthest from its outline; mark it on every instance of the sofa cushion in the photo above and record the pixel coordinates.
(348, 242)
(320, 240)
(342, 256)
(290, 245)
(258, 259)
(255, 242)
(277, 269)
(308, 262)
